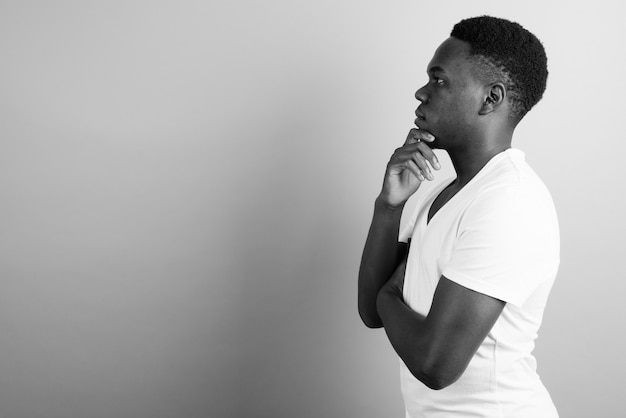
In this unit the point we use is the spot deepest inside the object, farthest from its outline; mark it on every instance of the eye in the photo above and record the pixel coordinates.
(438, 80)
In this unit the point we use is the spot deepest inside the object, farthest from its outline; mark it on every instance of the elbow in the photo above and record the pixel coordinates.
(436, 382)
(436, 377)
(369, 315)
(372, 323)
(370, 319)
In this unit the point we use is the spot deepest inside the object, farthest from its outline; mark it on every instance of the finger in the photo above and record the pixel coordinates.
(424, 149)
(416, 153)
(428, 153)
(413, 152)
(398, 154)
(421, 135)
(421, 163)
(421, 155)
(410, 138)
(414, 169)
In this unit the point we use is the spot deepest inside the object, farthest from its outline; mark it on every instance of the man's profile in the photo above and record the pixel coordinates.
(462, 304)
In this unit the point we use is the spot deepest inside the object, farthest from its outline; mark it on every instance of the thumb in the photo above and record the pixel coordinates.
(411, 139)
(419, 135)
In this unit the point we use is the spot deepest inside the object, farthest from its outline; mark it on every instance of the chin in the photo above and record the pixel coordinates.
(435, 144)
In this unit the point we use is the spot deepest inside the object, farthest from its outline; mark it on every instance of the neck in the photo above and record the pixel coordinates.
(469, 160)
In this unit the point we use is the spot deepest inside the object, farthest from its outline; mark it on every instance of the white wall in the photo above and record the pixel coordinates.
(186, 188)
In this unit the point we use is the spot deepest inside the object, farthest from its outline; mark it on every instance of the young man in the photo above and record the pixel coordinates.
(463, 303)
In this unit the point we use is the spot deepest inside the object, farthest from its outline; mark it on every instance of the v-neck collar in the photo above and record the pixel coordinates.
(436, 195)
(480, 173)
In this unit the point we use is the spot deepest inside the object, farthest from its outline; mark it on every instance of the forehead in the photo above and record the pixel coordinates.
(452, 56)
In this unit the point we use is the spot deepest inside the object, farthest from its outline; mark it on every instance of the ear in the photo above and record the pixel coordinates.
(495, 96)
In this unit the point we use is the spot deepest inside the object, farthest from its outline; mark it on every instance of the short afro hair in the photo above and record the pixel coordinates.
(506, 52)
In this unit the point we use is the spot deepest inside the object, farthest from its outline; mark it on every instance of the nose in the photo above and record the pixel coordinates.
(421, 94)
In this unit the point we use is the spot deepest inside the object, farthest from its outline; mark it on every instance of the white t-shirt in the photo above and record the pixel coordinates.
(499, 236)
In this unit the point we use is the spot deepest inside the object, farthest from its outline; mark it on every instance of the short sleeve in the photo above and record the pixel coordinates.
(507, 244)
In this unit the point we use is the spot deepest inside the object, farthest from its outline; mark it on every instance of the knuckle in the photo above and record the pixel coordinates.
(418, 157)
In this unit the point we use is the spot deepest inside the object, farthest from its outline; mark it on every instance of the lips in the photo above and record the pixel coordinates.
(420, 117)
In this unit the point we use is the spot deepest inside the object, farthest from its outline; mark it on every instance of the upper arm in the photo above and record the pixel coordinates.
(457, 323)
(507, 245)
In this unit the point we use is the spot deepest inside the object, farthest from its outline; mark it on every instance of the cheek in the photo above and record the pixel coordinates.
(457, 112)
(466, 109)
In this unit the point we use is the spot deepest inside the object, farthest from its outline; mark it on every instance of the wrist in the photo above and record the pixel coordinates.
(384, 205)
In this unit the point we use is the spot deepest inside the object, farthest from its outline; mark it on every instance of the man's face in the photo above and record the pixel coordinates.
(452, 97)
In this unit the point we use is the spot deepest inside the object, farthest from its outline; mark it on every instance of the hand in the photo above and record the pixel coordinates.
(408, 167)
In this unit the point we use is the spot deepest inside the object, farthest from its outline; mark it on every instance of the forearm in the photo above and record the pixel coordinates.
(406, 331)
(406, 169)
(380, 258)
(437, 348)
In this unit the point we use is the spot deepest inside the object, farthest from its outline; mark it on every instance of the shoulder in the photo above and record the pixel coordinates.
(510, 197)
(510, 183)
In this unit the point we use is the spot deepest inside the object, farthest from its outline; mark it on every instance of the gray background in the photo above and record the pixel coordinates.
(186, 188)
